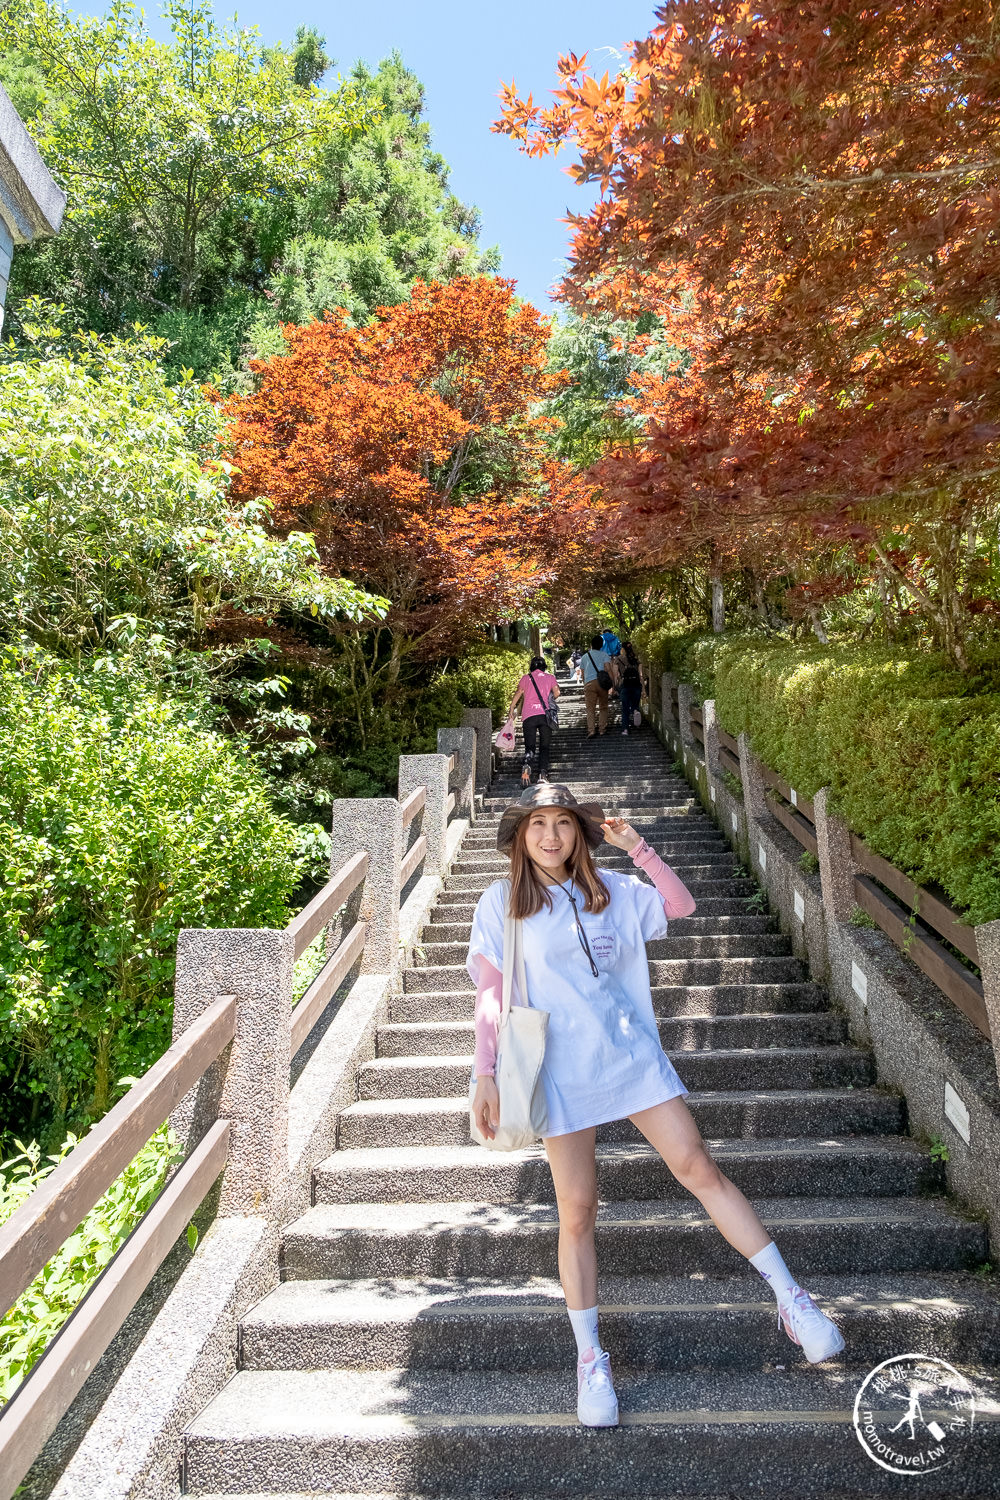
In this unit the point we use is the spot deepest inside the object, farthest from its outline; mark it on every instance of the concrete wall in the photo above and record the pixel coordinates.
(924, 1047)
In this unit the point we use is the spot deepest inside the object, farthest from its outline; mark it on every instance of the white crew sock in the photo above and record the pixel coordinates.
(584, 1321)
(774, 1271)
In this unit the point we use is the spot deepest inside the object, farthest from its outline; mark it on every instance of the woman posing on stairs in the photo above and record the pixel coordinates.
(584, 934)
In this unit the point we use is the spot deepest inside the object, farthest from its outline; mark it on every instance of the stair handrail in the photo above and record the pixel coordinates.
(177, 1087)
(924, 933)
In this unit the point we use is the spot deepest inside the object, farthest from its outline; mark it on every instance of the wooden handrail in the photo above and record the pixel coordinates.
(452, 762)
(451, 802)
(43, 1223)
(327, 902)
(414, 802)
(799, 827)
(940, 966)
(795, 799)
(36, 1407)
(727, 740)
(317, 996)
(931, 910)
(413, 859)
(730, 762)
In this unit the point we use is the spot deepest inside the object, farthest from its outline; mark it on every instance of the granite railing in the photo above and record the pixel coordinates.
(917, 983)
(252, 1086)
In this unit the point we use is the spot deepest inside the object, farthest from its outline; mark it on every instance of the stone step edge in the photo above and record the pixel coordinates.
(461, 1101)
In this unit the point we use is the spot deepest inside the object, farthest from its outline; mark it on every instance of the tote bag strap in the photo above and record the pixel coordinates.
(513, 958)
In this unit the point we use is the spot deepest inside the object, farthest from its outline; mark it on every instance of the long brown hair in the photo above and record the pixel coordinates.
(528, 893)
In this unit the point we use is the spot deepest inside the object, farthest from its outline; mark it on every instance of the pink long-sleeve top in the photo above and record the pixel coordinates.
(677, 902)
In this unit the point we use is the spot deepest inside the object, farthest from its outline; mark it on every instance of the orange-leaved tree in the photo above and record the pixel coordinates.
(820, 183)
(413, 450)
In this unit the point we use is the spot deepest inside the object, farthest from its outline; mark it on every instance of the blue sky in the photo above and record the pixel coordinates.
(461, 53)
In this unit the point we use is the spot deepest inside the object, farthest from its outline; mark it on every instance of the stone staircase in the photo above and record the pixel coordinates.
(418, 1343)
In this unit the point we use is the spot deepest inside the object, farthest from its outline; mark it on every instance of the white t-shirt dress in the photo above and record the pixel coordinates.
(603, 1059)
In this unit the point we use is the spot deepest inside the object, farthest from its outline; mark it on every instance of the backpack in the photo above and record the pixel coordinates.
(612, 644)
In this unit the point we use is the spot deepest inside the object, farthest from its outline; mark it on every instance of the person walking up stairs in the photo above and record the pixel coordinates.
(419, 1343)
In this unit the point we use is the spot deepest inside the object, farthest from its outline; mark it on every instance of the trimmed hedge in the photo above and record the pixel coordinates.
(909, 747)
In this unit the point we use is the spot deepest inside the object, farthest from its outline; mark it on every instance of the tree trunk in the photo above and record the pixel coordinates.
(718, 606)
(535, 640)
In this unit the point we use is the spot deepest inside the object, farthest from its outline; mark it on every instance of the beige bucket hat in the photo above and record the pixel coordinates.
(549, 794)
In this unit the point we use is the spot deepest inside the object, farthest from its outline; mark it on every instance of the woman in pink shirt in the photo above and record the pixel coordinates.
(532, 694)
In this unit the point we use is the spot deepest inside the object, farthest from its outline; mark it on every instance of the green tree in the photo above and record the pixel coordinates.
(183, 161)
(114, 505)
(380, 217)
(601, 355)
(282, 201)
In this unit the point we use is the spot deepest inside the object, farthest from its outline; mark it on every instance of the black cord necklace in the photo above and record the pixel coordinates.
(579, 930)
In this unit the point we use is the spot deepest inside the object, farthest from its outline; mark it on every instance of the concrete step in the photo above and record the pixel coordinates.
(520, 1327)
(445, 927)
(699, 882)
(437, 1077)
(668, 1001)
(864, 1166)
(739, 945)
(484, 861)
(746, 1114)
(708, 905)
(683, 971)
(437, 1433)
(834, 1235)
(677, 1034)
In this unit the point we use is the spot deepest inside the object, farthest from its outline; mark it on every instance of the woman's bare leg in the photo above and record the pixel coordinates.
(670, 1129)
(574, 1176)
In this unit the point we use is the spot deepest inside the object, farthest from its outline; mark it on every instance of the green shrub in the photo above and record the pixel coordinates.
(121, 821)
(40, 1311)
(909, 747)
(485, 677)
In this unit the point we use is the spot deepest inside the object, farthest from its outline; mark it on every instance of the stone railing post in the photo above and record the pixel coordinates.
(430, 771)
(754, 799)
(988, 942)
(461, 742)
(667, 684)
(653, 691)
(481, 720)
(373, 824)
(710, 729)
(249, 1084)
(685, 697)
(837, 868)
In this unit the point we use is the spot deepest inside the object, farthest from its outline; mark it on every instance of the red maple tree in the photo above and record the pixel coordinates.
(813, 187)
(413, 450)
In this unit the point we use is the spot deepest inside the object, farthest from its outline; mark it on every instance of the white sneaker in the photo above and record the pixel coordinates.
(808, 1325)
(596, 1402)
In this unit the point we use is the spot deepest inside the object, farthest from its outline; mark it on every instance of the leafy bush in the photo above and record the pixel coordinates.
(486, 677)
(115, 503)
(908, 746)
(40, 1311)
(121, 820)
(669, 645)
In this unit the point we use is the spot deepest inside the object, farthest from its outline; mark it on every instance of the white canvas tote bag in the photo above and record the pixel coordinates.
(520, 1049)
